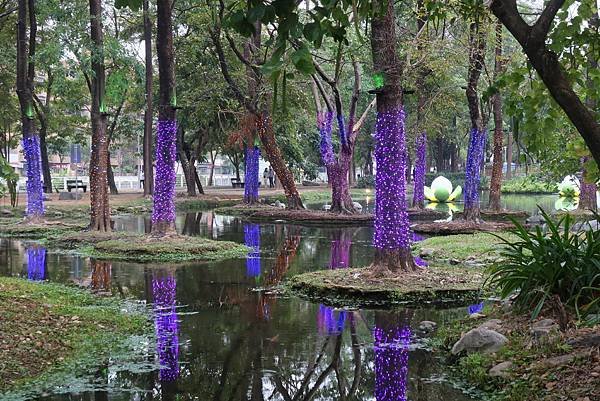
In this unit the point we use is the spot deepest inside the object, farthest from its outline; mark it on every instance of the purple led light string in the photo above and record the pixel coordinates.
(164, 289)
(391, 218)
(475, 156)
(587, 195)
(252, 154)
(475, 308)
(35, 196)
(391, 363)
(419, 178)
(36, 263)
(328, 322)
(326, 147)
(252, 240)
(165, 177)
(342, 129)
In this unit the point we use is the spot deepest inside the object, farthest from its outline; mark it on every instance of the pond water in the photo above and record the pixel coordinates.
(219, 338)
(524, 202)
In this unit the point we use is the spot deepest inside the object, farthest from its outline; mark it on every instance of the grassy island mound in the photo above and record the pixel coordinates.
(47, 329)
(118, 245)
(266, 213)
(355, 287)
(460, 227)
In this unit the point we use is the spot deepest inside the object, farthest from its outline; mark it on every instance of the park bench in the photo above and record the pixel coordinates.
(76, 184)
(237, 183)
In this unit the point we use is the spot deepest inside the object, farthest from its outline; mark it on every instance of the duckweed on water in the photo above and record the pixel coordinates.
(49, 331)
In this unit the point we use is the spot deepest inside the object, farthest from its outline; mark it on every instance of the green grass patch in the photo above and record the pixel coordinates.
(51, 332)
(528, 185)
(481, 247)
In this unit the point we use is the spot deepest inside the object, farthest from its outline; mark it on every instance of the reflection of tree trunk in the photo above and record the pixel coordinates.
(101, 276)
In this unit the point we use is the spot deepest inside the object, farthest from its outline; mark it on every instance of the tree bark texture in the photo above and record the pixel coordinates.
(496, 181)
(391, 239)
(477, 45)
(99, 159)
(163, 214)
(533, 39)
(148, 113)
(25, 82)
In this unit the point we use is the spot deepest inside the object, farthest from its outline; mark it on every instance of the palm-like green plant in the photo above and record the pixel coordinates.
(562, 261)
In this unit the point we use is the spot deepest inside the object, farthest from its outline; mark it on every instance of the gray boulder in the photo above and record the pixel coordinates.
(544, 330)
(427, 326)
(479, 340)
(501, 370)
(492, 324)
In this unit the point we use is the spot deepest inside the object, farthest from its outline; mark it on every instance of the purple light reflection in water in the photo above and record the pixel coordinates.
(391, 363)
(252, 240)
(340, 254)
(164, 290)
(330, 321)
(36, 263)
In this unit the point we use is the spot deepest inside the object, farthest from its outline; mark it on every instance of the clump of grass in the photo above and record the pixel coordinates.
(479, 246)
(538, 266)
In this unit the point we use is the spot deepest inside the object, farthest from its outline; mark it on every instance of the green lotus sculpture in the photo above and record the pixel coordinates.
(441, 191)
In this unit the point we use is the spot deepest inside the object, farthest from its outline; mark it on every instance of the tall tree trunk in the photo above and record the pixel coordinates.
(112, 185)
(212, 168)
(25, 80)
(163, 213)
(148, 113)
(478, 131)
(187, 163)
(392, 234)
(99, 159)
(509, 151)
(44, 159)
(496, 181)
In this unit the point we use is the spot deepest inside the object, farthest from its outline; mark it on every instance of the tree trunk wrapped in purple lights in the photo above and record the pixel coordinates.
(252, 241)
(391, 362)
(35, 197)
(25, 82)
(392, 230)
(36, 263)
(587, 194)
(251, 180)
(419, 178)
(475, 155)
(164, 290)
(324, 121)
(163, 212)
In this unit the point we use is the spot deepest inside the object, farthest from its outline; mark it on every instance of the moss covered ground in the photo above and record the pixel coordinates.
(119, 245)
(47, 329)
(443, 286)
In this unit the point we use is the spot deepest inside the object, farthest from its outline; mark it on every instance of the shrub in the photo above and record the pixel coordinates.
(365, 181)
(528, 185)
(563, 262)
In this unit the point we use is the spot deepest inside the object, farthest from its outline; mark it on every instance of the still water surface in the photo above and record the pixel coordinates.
(217, 337)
